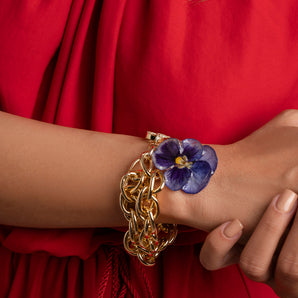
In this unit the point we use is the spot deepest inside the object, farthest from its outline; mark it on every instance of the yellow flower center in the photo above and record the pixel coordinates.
(182, 161)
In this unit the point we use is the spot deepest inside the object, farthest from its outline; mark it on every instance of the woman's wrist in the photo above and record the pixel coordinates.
(204, 209)
(184, 167)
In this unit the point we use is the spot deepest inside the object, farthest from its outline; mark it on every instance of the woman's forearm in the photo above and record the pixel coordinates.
(54, 176)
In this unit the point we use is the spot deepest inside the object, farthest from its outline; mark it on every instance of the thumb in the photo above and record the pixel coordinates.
(220, 249)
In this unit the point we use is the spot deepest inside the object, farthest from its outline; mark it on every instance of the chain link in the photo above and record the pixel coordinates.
(138, 201)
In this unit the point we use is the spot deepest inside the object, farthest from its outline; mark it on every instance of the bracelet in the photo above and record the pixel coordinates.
(180, 165)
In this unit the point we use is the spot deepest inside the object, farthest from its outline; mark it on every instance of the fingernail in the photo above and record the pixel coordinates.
(233, 228)
(286, 201)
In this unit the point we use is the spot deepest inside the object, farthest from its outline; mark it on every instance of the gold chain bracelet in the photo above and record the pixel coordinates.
(138, 200)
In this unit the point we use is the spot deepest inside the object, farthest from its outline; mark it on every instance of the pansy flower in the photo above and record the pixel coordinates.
(187, 165)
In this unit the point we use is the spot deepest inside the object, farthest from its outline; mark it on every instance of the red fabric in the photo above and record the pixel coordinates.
(215, 71)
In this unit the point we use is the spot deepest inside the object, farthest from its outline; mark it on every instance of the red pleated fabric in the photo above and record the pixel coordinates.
(214, 70)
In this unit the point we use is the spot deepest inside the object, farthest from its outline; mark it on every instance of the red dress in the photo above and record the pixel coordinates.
(215, 71)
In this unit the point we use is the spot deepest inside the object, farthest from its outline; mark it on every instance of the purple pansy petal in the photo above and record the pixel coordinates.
(164, 155)
(209, 155)
(192, 149)
(175, 178)
(201, 173)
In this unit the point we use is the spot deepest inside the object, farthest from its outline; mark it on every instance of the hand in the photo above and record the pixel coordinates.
(250, 172)
(270, 254)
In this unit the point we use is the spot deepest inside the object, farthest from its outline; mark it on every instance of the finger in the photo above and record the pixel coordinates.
(286, 273)
(257, 255)
(218, 250)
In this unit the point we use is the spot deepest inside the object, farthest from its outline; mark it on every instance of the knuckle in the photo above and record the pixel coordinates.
(254, 270)
(290, 177)
(272, 227)
(205, 262)
(287, 270)
(210, 253)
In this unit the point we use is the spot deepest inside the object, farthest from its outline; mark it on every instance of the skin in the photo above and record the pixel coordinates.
(250, 172)
(57, 177)
(269, 256)
(54, 177)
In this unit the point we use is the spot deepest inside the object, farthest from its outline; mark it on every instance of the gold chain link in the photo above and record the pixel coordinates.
(138, 201)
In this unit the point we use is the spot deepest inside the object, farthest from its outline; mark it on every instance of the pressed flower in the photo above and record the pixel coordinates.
(187, 165)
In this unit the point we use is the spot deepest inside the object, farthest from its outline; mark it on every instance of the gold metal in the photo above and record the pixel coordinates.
(138, 201)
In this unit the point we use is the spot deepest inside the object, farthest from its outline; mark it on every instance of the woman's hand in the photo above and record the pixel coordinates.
(250, 172)
(271, 253)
